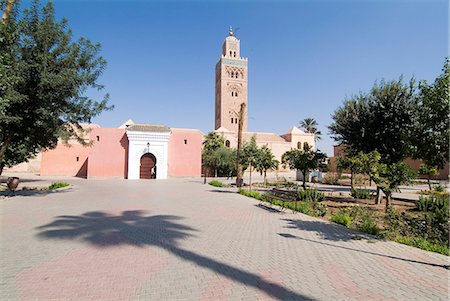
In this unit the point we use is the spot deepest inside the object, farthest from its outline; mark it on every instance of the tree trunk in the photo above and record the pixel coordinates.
(429, 182)
(351, 179)
(215, 172)
(378, 197)
(239, 146)
(304, 180)
(388, 200)
(265, 181)
(1, 167)
(250, 179)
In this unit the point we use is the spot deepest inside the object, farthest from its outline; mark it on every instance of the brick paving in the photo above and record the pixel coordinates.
(182, 240)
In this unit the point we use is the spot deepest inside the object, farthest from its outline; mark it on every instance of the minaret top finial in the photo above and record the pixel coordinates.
(231, 31)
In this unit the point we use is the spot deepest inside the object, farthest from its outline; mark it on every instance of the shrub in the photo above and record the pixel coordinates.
(57, 185)
(330, 178)
(439, 188)
(363, 220)
(360, 193)
(320, 209)
(342, 217)
(433, 203)
(305, 208)
(251, 194)
(310, 195)
(422, 243)
(216, 183)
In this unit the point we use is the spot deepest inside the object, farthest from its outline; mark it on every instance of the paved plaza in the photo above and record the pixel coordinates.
(182, 240)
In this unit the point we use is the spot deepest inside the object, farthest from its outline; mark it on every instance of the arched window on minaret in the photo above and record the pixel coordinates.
(235, 94)
(235, 54)
(230, 52)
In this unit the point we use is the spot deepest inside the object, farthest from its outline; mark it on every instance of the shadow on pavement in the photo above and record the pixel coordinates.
(134, 228)
(30, 192)
(324, 230)
(223, 191)
(287, 235)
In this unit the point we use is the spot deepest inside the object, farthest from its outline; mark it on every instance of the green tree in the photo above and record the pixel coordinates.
(43, 83)
(211, 144)
(250, 157)
(310, 126)
(266, 161)
(304, 160)
(428, 171)
(433, 127)
(348, 162)
(383, 121)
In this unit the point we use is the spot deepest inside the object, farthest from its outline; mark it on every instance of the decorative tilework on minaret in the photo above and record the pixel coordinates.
(231, 85)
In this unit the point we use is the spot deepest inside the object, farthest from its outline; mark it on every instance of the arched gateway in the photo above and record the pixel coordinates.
(148, 166)
(147, 151)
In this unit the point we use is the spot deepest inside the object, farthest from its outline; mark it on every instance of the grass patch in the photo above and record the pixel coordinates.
(342, 217)
(57, 185)
(216, 183)
(423, 244)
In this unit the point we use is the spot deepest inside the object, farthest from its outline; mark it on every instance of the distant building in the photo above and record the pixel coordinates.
(148, 151)
(232, 91)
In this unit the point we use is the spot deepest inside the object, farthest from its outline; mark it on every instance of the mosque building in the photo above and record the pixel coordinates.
(149, 151)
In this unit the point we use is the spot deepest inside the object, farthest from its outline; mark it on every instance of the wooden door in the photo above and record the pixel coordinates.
(147, 166)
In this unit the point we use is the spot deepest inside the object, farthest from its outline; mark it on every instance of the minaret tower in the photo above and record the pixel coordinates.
(231, 85)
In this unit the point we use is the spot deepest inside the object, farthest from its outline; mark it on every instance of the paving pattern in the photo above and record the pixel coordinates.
(183, 240)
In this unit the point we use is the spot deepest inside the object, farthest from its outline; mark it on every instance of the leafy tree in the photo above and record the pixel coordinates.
(211, 144)
(44, 79)
(428, 171)
(310, 126)
(384, 121)
(250, 156)
(266, 161)
(352, 163)
(304, 160)
(433, 126)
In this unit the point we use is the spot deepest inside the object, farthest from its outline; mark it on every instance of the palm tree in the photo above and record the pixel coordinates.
(310, 126)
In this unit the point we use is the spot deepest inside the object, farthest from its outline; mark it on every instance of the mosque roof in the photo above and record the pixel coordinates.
(148, 128)
(295, 130)
(263, 137)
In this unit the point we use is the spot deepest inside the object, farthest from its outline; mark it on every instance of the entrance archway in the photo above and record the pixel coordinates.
(148, 167)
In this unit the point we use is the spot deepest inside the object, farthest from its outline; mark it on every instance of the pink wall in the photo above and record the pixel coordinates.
(62, 160)
(185, 159)
(108, 156)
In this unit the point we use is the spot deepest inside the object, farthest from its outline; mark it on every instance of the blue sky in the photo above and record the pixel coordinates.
(305, 57)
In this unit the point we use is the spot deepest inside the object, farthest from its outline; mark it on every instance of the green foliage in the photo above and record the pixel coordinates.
(363, 220)
(434, 203)
(304, 160)
(57, 185)
(266, 160)
(320, 209)
(430, 226)
(310, 126)
(342, 217)
(310, 195)
(250, 154)
(331, 178)
(360, 193)
(423, 244)
(432, 131)
(217, 156)
(251, 193)
(358, 218)
(216, 183)
(439, 188)
(45, 75)
(212, 142)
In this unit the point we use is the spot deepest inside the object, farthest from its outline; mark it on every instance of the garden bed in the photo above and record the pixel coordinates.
(403, 222)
